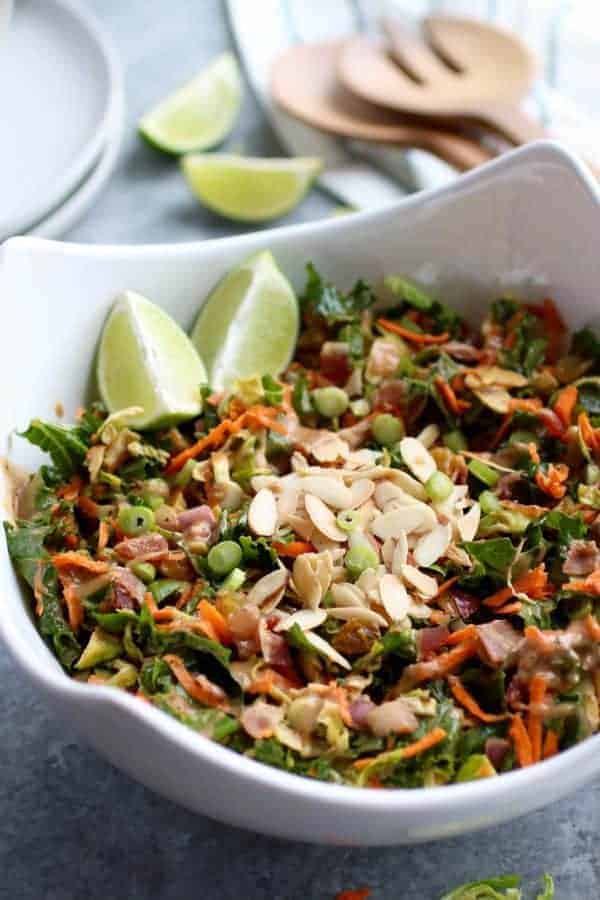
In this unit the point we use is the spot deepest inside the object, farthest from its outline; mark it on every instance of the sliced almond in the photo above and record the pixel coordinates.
(400, 554)
(329, 448)
(424, 584)
(331, 491)
(488, 375)
(360, 459)
(262, 513)
(418, 458)
(306, 581)
(360, 613)
(387, 552)
(458, 556)
(301, 524)
(361, 491)
(495, 398)
(347, 595)
(305, 618)
(323, 519)
(387, 491)
(416, 517)
(468, 524)
(322, 543)
(268, 586)
(323, 567)
(287, 503)
(429, 435)
(432, 545)
(418, 609)
(258, 482)
(325, 649)
(408, 484)
(394, 597)
(368, 582)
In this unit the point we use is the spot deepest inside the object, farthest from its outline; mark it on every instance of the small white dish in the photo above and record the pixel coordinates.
(68, 213)
(526, 223)
(59, 82)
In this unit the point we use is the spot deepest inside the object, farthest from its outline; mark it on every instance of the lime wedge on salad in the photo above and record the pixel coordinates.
(249, 324)
(146, 360)
(249, 189)
(199, 115)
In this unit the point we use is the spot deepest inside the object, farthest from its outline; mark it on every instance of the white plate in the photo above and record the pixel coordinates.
(58, 83)
(526, 223)
(61, 219)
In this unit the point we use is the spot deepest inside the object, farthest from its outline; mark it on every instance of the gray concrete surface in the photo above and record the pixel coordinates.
(74, 828)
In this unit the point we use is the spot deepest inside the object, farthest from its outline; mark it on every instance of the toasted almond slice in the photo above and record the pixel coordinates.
(400, 554)
(459, 556)
(329, 448)
(321, 646)
(360, 459)
(429, 435)
(347, 595)
(394, 597)
(468, 524)
(361, 491)
(418, 458)
(361, 613)
(495, 375)
(258, 482)
(432, 545)
(368, 582)
(386, 491)
(323, 567)
(424, 584)
(306, 580)
(305, 618)
(417, 517)
(323, 519)
(262, 513)
(267, 586)
(418, 610)
(331, 491)
(495, 398)
(298, 462)
(387, 552)
(287, 503)
(302, 525)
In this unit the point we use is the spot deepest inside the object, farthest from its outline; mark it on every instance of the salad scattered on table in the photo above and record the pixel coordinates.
(377, 567)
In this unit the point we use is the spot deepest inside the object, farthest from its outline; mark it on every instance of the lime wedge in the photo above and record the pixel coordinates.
(249, 324)
(249, 189)
(146, 360)
(200, 114)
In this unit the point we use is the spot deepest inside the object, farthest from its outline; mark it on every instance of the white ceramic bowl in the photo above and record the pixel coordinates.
(528, 223)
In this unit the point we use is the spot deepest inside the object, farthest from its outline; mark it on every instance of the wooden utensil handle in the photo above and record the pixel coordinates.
(510, 123)
(461, 153)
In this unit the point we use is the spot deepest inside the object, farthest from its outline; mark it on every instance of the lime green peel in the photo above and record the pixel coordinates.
(249, 189)
(249, 324)
(199, 115)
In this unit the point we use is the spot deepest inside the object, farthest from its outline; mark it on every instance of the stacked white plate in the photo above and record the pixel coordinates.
(61, 116)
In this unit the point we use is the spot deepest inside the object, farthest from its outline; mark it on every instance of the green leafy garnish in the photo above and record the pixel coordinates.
(64, 443)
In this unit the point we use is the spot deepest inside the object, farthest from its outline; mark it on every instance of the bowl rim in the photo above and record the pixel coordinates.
(406, 800)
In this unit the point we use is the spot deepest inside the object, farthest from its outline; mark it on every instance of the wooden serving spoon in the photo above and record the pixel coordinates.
(468, 71)
(304, 82)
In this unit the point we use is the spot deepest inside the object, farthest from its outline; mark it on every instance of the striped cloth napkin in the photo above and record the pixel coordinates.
(357, 173)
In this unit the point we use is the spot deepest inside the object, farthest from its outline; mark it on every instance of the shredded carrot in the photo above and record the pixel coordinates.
(197, 686)
(462, 695)
(565, 403)
(185, 595)
(525, 404)
(589, 435)
(449, 662)
(71, 490)
(74, 607)
(553, 481)
(88, 507)
(210, 614)
(537, 692)
(262, 416)
(592, 627)
(267, 680)
(150, 602)
(509, 609)
(541, 640)
(72, 559)
(533, 453)
(533, 583)
(446, 391)
(433, 737)
(521, 741)
(416, 337)
(293, 549)
(468, 633)
(550, 747)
